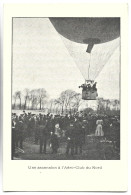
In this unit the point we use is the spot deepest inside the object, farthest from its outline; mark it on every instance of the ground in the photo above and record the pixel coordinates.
(92, 150)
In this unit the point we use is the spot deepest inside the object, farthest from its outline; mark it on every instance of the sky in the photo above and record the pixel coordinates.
(44, 59)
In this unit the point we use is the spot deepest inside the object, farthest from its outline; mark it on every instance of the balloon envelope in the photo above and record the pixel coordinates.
(88, 30)
(101, 36)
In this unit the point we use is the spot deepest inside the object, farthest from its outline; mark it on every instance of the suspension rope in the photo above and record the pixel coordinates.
(105, 63)
(68, 51)
(89, 67)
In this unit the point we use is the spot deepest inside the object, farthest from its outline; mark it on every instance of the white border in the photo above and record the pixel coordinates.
(50, 1)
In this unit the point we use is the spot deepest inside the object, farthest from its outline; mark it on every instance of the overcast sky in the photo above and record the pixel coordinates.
(41, 59)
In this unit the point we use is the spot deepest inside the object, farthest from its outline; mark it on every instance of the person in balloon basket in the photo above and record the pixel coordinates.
(70, 134)
(94, 86)
(83, 86)
(89, 86)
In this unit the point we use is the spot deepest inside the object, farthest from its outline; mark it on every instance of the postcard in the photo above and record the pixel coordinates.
(65, 97)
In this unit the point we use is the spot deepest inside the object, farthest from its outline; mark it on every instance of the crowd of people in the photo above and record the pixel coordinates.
(51, 129)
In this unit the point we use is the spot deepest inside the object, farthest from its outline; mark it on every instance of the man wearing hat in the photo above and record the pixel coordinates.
(70, 133)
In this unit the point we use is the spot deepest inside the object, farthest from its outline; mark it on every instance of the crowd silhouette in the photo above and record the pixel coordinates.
(52, 129)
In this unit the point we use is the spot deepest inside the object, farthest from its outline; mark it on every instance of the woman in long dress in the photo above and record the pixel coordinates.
(99, 131)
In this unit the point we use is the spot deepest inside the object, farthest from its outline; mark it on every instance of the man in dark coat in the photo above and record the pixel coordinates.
(43, 136)
(54, 142)
(79, 135)
(13, 139)
(84, 130)
(19, 137)
(70, 133)
(36, 130)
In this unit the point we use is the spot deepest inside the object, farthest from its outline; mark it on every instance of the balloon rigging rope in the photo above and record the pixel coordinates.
(105, 63)
(70, 54)
(68, 51)
(89, 67)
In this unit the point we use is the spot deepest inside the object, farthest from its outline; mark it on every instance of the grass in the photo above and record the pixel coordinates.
(92, 150)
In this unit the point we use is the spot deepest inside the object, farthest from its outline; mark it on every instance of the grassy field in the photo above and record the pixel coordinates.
(92, 150)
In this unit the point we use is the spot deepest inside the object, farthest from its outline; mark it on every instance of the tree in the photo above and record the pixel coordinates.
(26, 94)
(100, 102)
(14, 97)
(60, 103)
(67, 96)
(116, 104)
(77, 101)
(18, 96)
(44, 103)
(33, 99)
(51, 104)
(42, 95)
(108, 104)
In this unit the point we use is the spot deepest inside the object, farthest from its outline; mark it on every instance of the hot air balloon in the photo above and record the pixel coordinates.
(82, 34)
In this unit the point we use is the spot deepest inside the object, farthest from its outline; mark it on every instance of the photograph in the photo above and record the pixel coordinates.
(65, 88)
